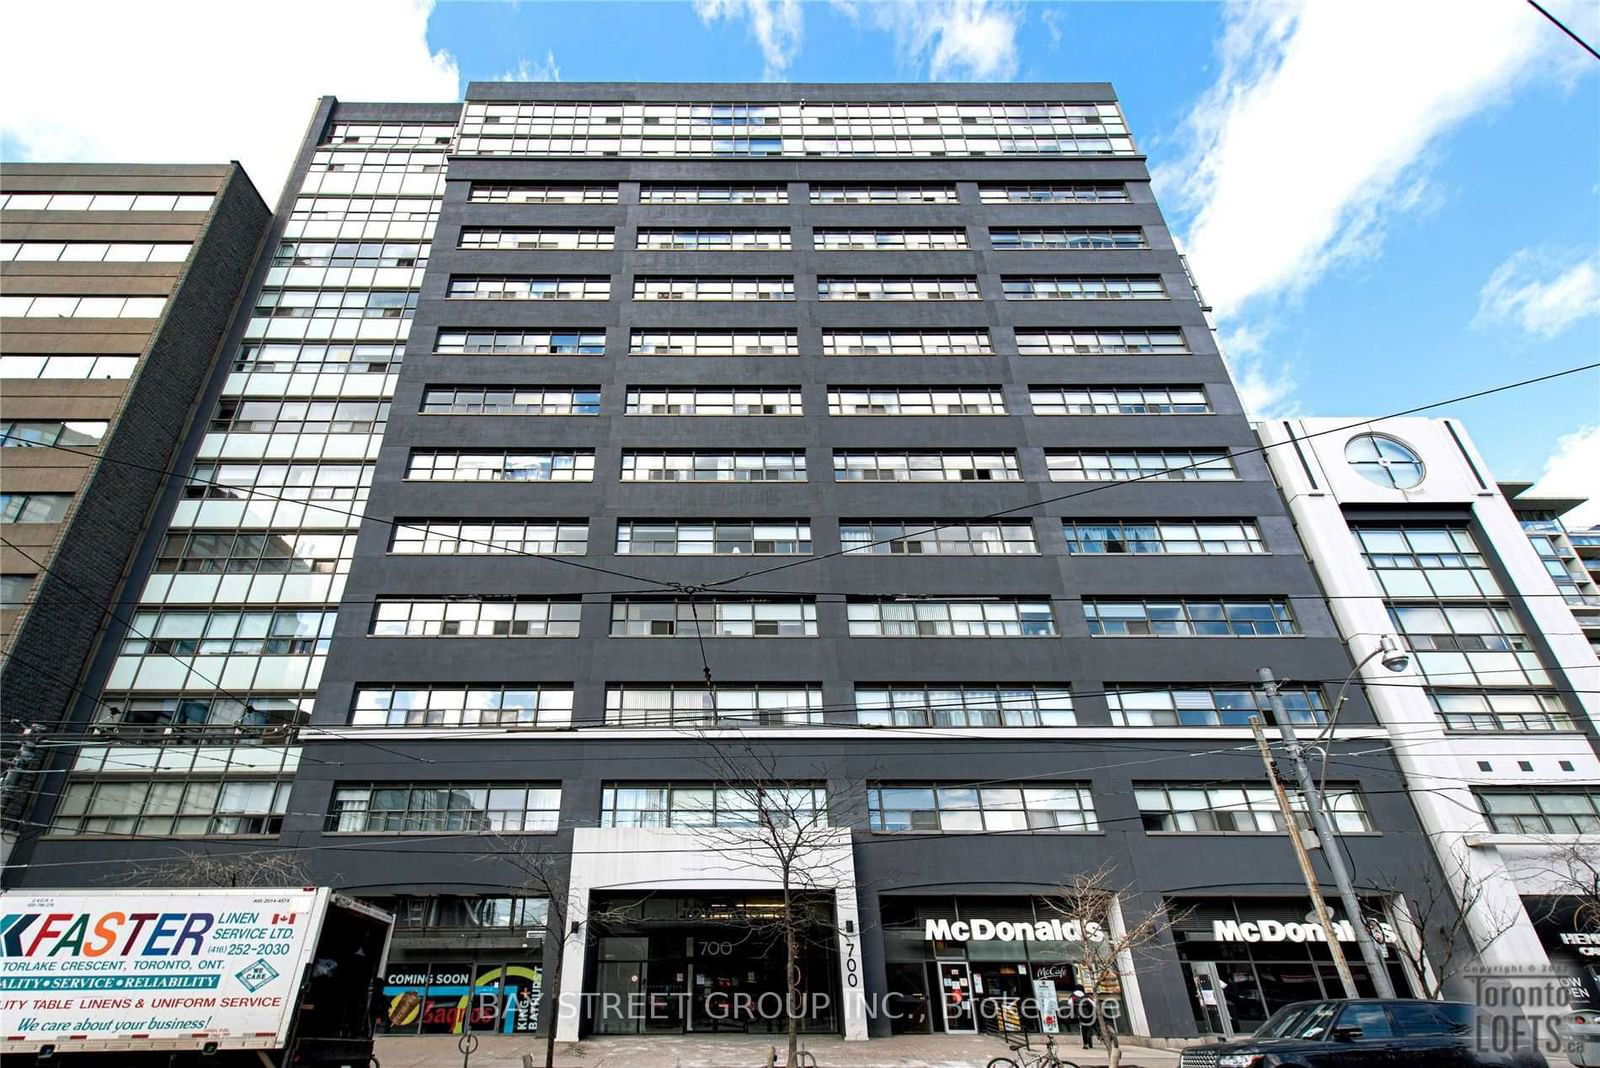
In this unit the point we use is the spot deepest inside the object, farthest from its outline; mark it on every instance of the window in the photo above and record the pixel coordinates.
(82, 307)
(685, 465)
(773, 287)
(477, 537)
(714, 400)
(1469, 645)
(925, 466)
(951, 617)
(418, 914)
(293, 482)
(938, 537)
(172, 807)
(964, 705)
(660, 193)
(1054, 193)
(1118, 400)
(442, 807)
(1066, 238)
(1490, 711)
(656, 617)
(392, 135)
(569, 342)
(1210, 706)
(713, 537)
(334, 304)
(106, 201)
(443, 705)
(824, 240)
(185, 633)
(338, 358)
(17, 365)
(991, 807)
(511, 400)
(917, 400)
(34, 507)
(884, 194)
(31, 433)
(952, 287)
(1385, 462)
(480, 287)
(1527, 812)
(713, 343)
(14, 590)
(271, 552)
(239, 416)
(1101, 341)
(765, 705)
(343, 255)
(543, 239)
(894, 342)
(438, 465)
(477, 617)
(772, 239)
(159, 713)
(1431, 562)
(95, 251)
(1174, 465)
(1189, 619)
(624, 804)
(1158, 536)
(540, 193)
(1067, 287)
(1239, 808)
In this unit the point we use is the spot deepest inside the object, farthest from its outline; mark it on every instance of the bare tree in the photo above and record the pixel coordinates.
(190, 865)
(1449, 919)
(778, 825)
(1110, 949)
(1573, 871)
(539, 874)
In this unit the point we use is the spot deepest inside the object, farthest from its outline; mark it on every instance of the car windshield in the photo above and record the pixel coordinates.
(1304, 1020)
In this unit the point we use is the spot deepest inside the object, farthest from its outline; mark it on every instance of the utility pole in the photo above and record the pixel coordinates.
(1307, 872)
(1330, 850)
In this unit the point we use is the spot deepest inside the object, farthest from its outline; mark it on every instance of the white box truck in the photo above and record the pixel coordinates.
(169, 977)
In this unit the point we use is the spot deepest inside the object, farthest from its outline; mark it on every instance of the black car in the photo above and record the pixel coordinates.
(1362, 1033)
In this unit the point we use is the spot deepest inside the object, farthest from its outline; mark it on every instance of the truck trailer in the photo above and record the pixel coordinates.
(170, 977)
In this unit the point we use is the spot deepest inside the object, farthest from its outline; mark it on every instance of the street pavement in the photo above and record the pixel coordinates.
(733, 1051)
(742, 1051)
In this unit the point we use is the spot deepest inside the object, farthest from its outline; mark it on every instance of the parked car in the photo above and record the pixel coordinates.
(1364, 1033)
(1582, 1032)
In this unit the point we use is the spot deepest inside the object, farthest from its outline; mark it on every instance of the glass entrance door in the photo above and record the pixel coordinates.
(955, 992)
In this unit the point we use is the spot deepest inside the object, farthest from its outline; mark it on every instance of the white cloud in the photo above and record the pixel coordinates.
(1543, 293)
(1573, 470)
(547, 71)
(958, 39)
(777, 25)
(1266, 389)
(121, 82)
(1320, 125)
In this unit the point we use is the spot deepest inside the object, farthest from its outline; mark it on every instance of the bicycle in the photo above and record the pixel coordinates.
(1027, 1057)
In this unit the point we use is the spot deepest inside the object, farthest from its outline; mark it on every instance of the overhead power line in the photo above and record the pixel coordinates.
(1564, 28)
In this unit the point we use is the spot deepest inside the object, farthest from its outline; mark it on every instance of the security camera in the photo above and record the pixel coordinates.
(1394, 657)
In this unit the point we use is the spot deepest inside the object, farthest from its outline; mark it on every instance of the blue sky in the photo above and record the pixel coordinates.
(1389, 202)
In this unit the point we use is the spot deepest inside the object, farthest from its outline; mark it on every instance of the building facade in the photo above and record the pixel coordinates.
(120, 281)
(1494, 721)
(602, 469)
(1572, 557)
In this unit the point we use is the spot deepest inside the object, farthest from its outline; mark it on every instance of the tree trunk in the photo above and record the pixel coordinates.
(550, 996)
(791, 973)
(1108, 1039)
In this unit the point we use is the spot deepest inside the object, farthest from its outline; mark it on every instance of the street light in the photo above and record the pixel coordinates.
(1395, 660)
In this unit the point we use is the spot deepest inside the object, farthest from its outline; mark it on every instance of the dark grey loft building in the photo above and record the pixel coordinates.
(898, 396)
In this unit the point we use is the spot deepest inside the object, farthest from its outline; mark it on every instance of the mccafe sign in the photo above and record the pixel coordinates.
(982, 930)
(1281, 931)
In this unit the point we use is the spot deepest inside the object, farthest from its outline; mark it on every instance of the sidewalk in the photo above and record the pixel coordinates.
(735, 1051)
